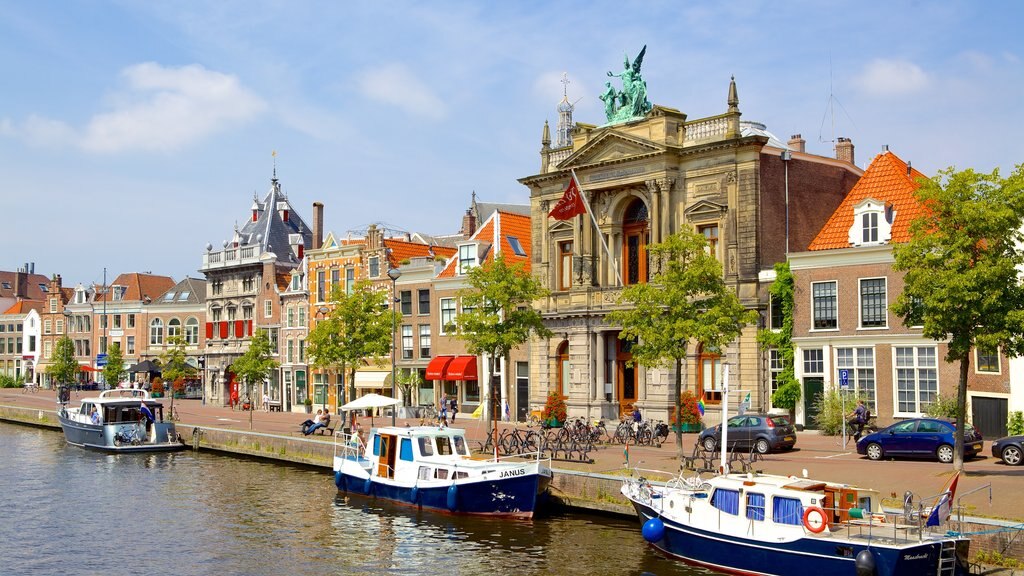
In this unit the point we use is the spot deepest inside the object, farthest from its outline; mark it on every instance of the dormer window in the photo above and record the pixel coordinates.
(872, 223)
(467, 257)
(119, 292)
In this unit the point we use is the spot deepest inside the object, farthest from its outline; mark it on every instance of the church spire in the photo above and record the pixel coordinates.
(563, 134)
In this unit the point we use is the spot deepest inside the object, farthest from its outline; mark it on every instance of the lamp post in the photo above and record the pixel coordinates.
(394, 274)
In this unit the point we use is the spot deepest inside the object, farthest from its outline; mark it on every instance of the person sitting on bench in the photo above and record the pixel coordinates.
(308, 424)
(321, 420)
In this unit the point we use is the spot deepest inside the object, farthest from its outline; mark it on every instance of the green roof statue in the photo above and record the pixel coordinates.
(631, 102)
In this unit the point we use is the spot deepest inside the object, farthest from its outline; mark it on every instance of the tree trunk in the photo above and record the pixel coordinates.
(961, 415)
(678, 406)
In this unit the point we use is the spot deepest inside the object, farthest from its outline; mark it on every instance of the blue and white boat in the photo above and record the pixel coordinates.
(758, 524)
(431, 467)
(126, 420)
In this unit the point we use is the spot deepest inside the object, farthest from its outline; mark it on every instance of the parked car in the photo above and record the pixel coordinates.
(762, 432)
(1010, 449)
(919, 438)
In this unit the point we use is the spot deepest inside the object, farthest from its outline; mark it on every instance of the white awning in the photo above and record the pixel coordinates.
(373, 379)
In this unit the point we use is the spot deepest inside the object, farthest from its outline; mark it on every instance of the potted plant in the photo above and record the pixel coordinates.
(179, 388)
(157, 388)
(554, 414)
(688, 417)
(308, 403)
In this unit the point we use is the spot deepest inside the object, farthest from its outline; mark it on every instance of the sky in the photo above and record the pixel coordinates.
(133, 133)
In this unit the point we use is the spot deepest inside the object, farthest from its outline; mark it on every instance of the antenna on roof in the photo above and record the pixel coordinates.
(830, 111)
(273, 154)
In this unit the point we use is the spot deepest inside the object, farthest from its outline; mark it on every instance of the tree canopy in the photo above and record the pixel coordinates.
(685, 301)
(497, 312)
(114, 371)
(253, 367)
(63, 367)
(962, 264)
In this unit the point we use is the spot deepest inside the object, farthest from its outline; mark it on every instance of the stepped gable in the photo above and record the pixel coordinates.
(888, 179)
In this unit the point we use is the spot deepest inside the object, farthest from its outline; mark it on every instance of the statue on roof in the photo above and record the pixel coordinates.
(631, 102)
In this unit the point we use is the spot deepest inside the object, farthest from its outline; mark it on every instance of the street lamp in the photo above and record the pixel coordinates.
(394, 274)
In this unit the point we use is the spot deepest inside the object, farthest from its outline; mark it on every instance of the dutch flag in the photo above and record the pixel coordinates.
(940, 513)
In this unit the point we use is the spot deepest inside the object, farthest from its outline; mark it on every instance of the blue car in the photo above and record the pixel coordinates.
(919, 438)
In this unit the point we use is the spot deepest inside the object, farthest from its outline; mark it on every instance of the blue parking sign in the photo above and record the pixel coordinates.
(844, 378)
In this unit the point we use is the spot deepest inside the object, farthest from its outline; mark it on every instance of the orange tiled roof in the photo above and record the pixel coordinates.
(886, 180)
(403, 250)
(22, 306)
(509, 224)
(137, 286)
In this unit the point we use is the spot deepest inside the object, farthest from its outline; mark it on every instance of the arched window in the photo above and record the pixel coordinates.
(156, 332)
(192, 331)
(563, 367)
(636, 233)
(173, 328)
(709, 375)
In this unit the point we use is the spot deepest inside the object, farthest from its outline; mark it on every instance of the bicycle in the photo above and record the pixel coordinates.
(428, 413)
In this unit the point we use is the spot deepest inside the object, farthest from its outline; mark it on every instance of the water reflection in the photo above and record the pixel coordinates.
(67, 510)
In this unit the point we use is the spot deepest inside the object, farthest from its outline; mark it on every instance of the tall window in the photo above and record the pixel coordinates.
(823, 295)
(447, 313)
(350, 279)
(268, 309)
(814, 361)
(710, 233)
(321, 285)
(249, 284)
(156, 332)
(774, 368)
(775, 314)
(173, 328)
(291, 317)
(917, 378)
(290, 350)
(872, 303)
(988, 361)
(861, 364)
(47, 326)
(636, 234)
(424, 296)
(405, 296)
(215, 313)
(302, 349)
(424, 340)
(192, 332)
(131, 320)
(374, 265)
(406, 342)
(709, 373)
(565, 265)
(117, 320)
(335, 279)
(467, 257)
(869, 227)
(563, 367)
(130, 345)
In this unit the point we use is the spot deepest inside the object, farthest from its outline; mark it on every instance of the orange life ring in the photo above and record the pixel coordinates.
(823, 523)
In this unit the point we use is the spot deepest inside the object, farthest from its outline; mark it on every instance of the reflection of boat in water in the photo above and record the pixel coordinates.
(432, 468)
(128, 421)
(761, 524)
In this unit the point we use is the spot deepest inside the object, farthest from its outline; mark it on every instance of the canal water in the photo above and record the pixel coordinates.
(69, 511)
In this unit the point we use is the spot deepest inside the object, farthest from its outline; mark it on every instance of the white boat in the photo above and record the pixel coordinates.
(758, 524)
(127, 420)
(431, 467)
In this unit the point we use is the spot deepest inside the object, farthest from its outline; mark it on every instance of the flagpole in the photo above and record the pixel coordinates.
(597, 228)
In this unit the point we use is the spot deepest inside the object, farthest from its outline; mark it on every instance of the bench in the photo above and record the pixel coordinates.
(323, 430)
(274, 406)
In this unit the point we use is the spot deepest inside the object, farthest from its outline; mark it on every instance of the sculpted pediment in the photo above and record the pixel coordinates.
(562, 226)
(705, 210)
(608, 147)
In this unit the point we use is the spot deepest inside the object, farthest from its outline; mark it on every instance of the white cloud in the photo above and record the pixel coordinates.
(160, 108)
(882, 77)
(395, 84)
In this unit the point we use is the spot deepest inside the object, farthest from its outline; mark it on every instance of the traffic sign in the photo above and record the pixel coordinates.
(844, 378)
(101, 359)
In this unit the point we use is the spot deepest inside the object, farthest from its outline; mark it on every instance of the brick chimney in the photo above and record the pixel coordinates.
(468, 224)
(21, 282)
(318, 225)
(797, 143)
(844, 150)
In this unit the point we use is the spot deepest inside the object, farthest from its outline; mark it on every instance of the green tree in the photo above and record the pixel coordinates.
(175, 367)
(408, 380)
(686, 300)
(253, 367)
(961, 266)
(63, 367)
(497, 314)
(356, 330)
(114, 371)
(787, 394)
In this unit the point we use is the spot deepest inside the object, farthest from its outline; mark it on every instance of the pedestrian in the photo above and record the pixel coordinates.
(234, 397)
(455, 407)
(442, 416)
(858, 418)
(266, 402)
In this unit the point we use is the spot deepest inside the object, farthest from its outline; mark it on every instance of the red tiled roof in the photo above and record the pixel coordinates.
(886, 180)
(402, 250)
(138, 286)
(22, 306)
(509, 224)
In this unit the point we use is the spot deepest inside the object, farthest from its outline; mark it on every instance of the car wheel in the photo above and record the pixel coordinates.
(874, 451)
(1012, 455)
(762, 446)
(945, 453)
(709, 443)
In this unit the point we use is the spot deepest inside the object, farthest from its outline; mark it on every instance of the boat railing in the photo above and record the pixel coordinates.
(348, 445)
(133, 393)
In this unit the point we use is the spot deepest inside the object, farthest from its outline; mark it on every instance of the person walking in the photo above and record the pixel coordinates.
(442, 414)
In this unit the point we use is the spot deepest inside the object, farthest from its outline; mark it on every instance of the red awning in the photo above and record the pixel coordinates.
(88, 368)
(436, 368)
(461, 368)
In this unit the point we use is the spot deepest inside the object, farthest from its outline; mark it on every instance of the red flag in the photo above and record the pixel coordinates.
(571, 203)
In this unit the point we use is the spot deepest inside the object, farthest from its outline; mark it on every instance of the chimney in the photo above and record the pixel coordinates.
(468, 224)
(318, 225)
(797, 144)
(844, 150)
(20, 282)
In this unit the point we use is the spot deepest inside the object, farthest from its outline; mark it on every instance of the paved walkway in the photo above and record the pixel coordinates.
(820, 456)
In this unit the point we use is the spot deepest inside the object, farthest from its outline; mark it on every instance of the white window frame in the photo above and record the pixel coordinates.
(923, 362)
(407, 342)
(977, 364)
(835, 307)
(268, 308)
(156, 332)
(424, 338)
(885, 303)
(860, 371)
(192, 331)
(451, 312)
(467, 257)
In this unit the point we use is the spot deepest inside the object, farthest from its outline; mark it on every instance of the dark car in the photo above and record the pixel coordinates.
(762, 432)
(919, 438)
(1010, 449)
